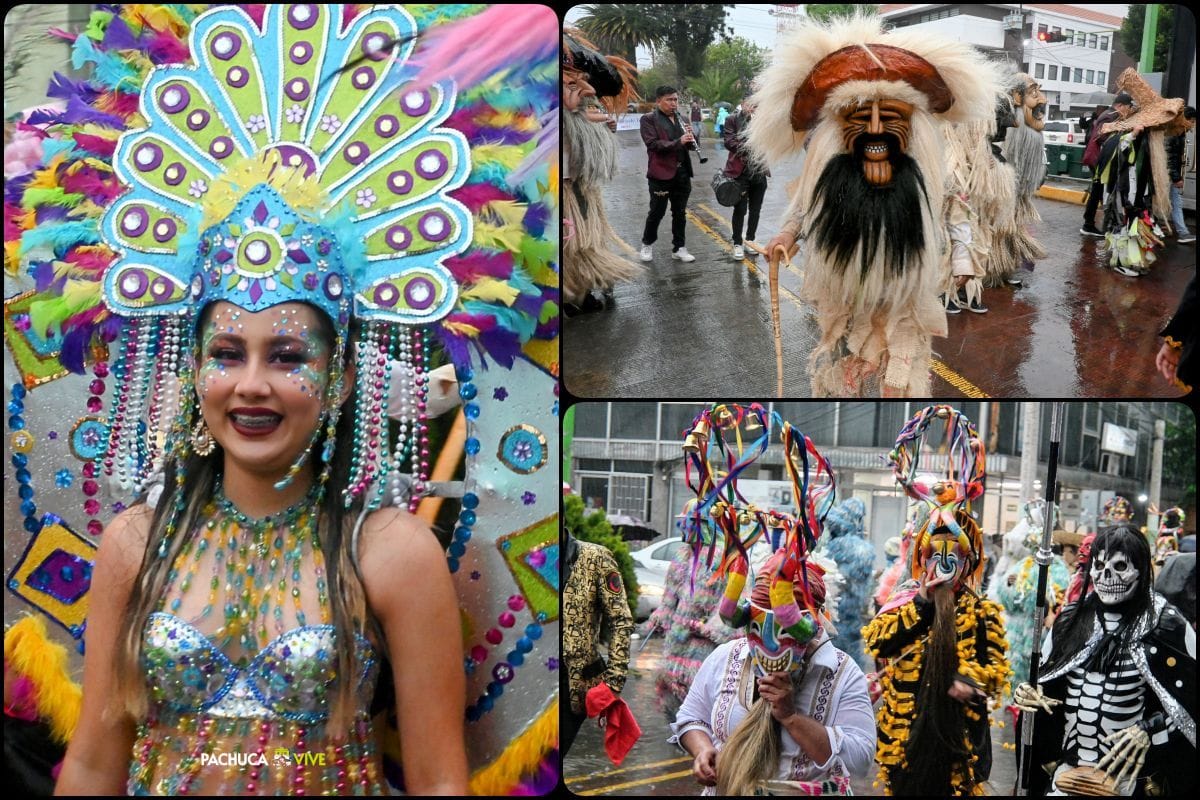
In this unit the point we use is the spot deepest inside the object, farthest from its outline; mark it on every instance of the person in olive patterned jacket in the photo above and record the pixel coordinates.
(593, 593)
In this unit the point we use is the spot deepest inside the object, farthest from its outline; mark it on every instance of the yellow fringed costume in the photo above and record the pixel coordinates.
(899, 634)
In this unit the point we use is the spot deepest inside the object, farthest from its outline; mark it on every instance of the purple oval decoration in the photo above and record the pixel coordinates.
(398, 237)
(160, 289)
(178, 176)
(134, 221)
(134, 283)
(198, 119)
(237, 77)
(165, 230)
(375, 53)
(430, 217)
(302, 16)
(267, 253)
(297, 89)
(288, 154)
(300, 53)
(439, 168)
(386, 295)
(221, 147)
(387, 126)
(363, 78)
(183, 97)
(333, 287)
(418, 108)
(400, 182)
(359, 156)
(148, 157)
(226, 45)
(411, 293)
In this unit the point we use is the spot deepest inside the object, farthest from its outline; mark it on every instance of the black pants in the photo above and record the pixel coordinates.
(675, 191)
(1095, 195)
(569, 721)
(756, 189)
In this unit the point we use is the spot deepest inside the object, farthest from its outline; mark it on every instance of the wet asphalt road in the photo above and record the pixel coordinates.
(703, 329)
(655, 768)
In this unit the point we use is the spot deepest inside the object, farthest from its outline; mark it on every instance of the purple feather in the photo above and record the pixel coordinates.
(110, 328)
(14, 188)
(44, 214)
(455, 347)
(74, 346)
(42, 273)
(502, 345)
(78, 113)
(65, 88)
(118, 36)
(536, 218)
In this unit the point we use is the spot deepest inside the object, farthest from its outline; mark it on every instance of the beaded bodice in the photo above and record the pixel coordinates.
(288, 679)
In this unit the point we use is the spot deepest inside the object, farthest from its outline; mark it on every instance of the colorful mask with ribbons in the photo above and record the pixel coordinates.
(947, 545)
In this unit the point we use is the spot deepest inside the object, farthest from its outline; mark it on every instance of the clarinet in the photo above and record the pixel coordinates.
(695, 145)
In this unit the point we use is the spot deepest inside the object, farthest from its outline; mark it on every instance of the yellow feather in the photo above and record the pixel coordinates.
(29, 653)
(491, 290)
(520, 758)
(461, 328)
(47, 176)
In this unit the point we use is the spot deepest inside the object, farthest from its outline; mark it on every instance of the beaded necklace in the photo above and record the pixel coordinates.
(250, 552)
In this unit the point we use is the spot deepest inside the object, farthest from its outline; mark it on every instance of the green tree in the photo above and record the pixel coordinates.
(715, 85)
(824, 12)
(594, 527)
(1135, 24)
(618, 29)
(738, 58)
(1179, 460)
(661, 74)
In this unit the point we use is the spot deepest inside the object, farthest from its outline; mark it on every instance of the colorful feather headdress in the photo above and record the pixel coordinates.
(721, 443)
(945, 498)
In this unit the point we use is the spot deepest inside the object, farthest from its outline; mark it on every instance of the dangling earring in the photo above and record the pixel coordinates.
(202, 441)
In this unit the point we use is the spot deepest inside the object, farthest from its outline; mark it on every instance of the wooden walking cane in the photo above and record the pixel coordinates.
(773, 260)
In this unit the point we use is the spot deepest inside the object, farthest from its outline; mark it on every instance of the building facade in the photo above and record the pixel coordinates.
(627, 458)
(1085, 63)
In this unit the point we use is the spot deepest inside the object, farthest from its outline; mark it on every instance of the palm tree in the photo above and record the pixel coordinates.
(716, 85)
(617, 29)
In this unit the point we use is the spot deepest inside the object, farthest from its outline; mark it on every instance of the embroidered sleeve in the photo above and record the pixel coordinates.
(620, 621)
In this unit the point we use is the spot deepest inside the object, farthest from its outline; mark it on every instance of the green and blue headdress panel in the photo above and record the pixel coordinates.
(282, 167)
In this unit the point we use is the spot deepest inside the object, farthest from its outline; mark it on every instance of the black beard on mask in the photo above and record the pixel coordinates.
(850, 211)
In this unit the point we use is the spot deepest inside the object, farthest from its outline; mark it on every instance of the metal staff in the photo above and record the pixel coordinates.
(1044, 556)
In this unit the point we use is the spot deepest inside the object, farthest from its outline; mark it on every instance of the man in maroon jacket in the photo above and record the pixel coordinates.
(669, 172)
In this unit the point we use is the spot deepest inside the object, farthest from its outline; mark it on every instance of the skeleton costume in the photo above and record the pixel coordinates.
(1025, 152)
(870, 105)
(590, 149)
(931, 744)
(1116, 692)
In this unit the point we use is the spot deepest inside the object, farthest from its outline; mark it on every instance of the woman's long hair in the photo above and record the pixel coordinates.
(334, 525)
(1074, 624)
(752, 753)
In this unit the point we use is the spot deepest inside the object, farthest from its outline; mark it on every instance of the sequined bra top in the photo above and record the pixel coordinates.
(291, 678)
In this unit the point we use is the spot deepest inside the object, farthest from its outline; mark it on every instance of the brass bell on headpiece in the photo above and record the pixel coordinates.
(752, 423)
(701, 428)
(690, 445)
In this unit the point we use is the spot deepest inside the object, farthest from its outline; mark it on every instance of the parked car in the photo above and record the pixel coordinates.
(1063, 131)
(705, 114)
(650, 565)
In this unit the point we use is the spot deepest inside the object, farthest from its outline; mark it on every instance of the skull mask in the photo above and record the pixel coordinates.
(1114, 576)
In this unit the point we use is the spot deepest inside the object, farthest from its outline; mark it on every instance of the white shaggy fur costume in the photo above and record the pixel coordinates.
(869, 323)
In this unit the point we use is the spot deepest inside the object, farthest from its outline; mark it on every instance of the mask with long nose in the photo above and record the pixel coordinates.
(876, 133)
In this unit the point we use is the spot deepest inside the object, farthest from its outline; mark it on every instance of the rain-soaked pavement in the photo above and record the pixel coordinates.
(655, 768)
(1075, 329)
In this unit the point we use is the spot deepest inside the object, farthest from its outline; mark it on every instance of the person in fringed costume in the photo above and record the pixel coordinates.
(1170, 529)
(846, 543)
(1116, 695)
(262, 230)
(1136, 216)
(781, 707)
(1025, 152)
(979, 200)
(590, 268)
(869, 105)
(1017, 591)
(944, 645)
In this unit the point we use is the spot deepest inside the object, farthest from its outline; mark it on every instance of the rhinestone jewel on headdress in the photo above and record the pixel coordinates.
(337, 181)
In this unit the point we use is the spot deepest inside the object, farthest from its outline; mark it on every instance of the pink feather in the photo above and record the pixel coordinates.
(167, 49)
(88, 261)
(476, 196)
(483, 322)
(469, 50)
(88, 182)
(479, 264)
(96, 144)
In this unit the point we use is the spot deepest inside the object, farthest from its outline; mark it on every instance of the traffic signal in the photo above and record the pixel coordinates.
(1048, 38)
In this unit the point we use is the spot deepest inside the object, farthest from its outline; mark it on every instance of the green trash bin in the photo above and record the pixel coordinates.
(1075, 166)
(1057, 159)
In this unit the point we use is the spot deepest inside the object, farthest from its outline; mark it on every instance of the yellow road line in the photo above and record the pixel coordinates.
(954, 379)
(716, 237)
(939, 368)
(680, 760)
(670, 776)
(717, 216)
